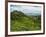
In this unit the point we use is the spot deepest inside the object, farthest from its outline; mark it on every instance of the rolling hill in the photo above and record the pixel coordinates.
(23, 22)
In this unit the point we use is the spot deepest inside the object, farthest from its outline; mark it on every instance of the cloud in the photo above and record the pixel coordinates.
(26, 9)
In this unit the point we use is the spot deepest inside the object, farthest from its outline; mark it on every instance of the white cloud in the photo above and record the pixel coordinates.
(26, 9)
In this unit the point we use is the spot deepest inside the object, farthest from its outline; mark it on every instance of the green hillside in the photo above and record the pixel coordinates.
(21, 22)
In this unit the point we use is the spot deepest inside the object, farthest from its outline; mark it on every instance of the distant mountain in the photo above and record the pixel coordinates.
(32, 14)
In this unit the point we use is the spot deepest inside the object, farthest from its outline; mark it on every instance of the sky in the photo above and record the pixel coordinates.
(26, 8)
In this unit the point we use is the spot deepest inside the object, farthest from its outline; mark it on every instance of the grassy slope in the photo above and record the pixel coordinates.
(25, 23)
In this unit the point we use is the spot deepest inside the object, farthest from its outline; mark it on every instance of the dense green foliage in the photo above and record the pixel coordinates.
(21, 22)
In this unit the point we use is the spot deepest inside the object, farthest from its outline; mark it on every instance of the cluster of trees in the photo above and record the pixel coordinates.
(16, 15)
